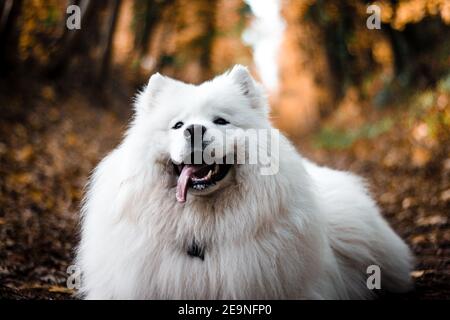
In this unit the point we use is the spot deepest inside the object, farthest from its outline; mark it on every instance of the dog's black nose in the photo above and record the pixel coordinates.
(195, 133)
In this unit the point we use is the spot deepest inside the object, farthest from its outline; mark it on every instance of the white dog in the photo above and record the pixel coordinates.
(156, 227)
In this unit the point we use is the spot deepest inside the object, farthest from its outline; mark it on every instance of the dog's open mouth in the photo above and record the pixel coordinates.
(199, 177)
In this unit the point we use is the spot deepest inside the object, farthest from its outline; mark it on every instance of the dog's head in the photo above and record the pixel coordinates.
(195, 129)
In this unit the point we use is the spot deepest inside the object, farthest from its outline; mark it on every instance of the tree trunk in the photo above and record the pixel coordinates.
(10, 12)
(70, 40)
(106, 47)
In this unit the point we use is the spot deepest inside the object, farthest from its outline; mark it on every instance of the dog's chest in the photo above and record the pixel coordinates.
(200, 271)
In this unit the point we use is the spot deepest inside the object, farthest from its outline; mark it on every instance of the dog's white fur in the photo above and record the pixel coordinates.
(307, 232)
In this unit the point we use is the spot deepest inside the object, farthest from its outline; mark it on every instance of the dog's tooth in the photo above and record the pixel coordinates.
(209, 175)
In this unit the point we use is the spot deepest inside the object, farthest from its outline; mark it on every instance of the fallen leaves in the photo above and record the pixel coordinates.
(46, 158)
(24, 153)
(431, 220)
(420, 156)
(49, 288)
(60, 289)
(445, 195)
(408, 202)
(417, 274)
(19, 180)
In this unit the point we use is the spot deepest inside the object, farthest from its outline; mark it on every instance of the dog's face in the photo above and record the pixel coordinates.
(197, 128)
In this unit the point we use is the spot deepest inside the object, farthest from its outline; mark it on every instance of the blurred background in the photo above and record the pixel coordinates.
(376, 102)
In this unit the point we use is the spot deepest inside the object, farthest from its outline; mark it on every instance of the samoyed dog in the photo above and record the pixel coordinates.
(157, 225)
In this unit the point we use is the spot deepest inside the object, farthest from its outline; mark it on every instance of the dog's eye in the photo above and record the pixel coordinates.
(221, 121)
(178, 125)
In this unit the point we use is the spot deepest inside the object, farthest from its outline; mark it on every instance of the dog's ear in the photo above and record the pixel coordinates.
(155, 84)
(243, 78)
(248, 86)
(145, 99)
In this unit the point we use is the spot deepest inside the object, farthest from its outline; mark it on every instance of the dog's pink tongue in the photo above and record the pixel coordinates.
(183, 180)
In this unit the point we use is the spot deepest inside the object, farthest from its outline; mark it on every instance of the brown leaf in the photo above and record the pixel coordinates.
(432, 220)
(445, 195)
(417, 273)
(60, 289)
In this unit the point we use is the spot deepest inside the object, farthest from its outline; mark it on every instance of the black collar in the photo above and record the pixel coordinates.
(196, 250)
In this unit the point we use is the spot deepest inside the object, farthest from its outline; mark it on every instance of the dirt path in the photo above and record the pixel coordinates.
(46, 156)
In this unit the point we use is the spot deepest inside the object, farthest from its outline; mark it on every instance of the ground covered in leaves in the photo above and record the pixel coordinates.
(48, 146)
